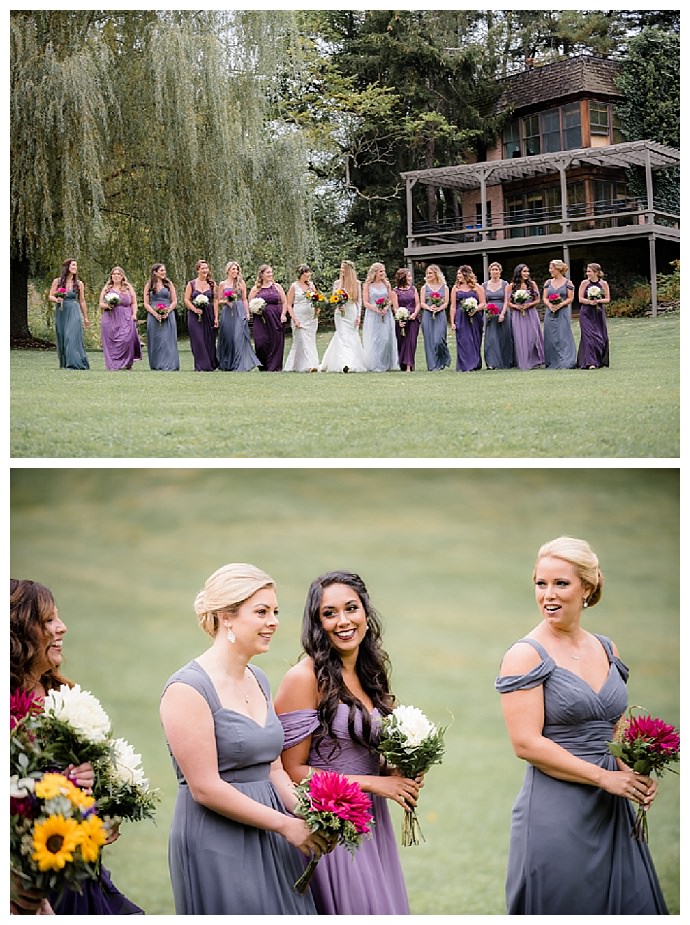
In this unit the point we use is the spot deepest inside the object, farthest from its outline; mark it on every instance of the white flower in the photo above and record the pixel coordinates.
(21, 787)
(128, 764)
(402, 314)
(595, 292)
(201, 300)
(414, 725)
(256, 306)
(81, 710)
(470, 304)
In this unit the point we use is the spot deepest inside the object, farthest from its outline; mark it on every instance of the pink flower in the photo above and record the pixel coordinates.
(333, 793)
(554, 297)
(22, 704)
(493, 309)
(661, 739)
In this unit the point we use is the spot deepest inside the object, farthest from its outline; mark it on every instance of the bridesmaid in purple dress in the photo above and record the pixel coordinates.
(593, 351)
(330, 705)
(269, 333)
(469, 326)
(407, 332)
(118, 305)
(523, 298)
(202, 320)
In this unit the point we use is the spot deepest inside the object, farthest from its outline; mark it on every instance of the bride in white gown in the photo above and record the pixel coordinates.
(303, 355)
(345, 352)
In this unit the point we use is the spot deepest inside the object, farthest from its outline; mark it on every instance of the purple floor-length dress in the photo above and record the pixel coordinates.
(268, 330)
(121, 344)
(370, 882)
(594, 336)
(202, 334)
(407, 341)
(527, 338)
(570, 847)
(468, 334)
(98, 897)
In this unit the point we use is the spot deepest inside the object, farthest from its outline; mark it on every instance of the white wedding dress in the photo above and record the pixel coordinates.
(303, 354)
(345, 351)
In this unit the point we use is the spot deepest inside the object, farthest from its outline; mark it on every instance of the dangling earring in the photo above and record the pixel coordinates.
(585, 603)
(231, 635)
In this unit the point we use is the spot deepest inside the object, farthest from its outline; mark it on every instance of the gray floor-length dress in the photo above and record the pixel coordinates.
(218, 866)
(571, 852)
(559, 343)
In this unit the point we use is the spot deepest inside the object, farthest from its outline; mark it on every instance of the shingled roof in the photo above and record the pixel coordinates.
(570, 78)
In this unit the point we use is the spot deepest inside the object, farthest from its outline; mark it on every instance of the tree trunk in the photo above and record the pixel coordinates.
(19, 301)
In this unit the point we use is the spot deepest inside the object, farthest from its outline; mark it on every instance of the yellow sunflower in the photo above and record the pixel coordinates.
(92, 837)
(78, 798)
(55, 841)
(51, 786)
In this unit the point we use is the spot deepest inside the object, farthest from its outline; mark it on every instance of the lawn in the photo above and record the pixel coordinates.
(447, 555)
(630, 410)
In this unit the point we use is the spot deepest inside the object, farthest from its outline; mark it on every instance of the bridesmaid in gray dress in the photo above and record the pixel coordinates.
(234, 847)
(160, 300)
(67, 293)
(433, 297)
(563, 692)
(235, 351)
(559, 343)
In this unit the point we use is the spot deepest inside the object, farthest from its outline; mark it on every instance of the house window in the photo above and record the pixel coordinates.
(511, 140)
(532, 140)
(572, 127)
(550, 124)
(599, 121)
(478, 211)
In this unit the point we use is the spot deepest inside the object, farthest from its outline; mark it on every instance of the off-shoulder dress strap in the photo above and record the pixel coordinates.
(509, 683)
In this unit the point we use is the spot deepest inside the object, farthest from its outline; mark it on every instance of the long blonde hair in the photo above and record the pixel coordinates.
(373, 270)
(582, 557)
(437, 273)
(348, 280)
(225, 590)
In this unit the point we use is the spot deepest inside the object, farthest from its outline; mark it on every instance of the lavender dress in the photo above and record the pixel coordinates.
(570, 847)
(499, 352)
(370, 882)
(219, 866)
(559, 343)
(407, 336)
(202, 334)
(121, 345)
(594, 336)
(527, 337)
(269, 333)
(468, 334)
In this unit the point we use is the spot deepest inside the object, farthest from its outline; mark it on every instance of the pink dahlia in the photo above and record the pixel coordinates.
(333, 793)
(22, 704)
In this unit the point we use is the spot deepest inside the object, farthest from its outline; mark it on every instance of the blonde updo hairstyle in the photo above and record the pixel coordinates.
(584, 560)
(559, 265)
(226, 590)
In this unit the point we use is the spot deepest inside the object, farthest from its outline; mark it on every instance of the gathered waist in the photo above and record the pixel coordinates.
(584, 740)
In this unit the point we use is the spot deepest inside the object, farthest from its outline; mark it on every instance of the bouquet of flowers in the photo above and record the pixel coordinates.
(200, 301)
(469, 306)
(521, 297)
(382, 305)
(339, 298)
(492, 311)
(316, 298)
(56, 835)
(73, 728)
(595, 292)
(330, 803)
(554, 298)
(256, 307)
(229, 295)
(60, 294)
(163, 310)
(111, 299)
(402, 315)
(410, 742)
(435, 299)
(647, 745)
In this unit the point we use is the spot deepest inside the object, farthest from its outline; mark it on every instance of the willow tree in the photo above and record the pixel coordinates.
(143, 136)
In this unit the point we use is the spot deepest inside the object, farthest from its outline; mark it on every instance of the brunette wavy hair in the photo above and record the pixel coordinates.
(64, 273)
(31, 606)
(373, 664)
(153, 279)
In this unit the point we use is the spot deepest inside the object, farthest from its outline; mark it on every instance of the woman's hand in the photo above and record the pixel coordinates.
(629, 784)
(81, 775)
(393, 786)
(27, 901)
(311, 844)
(113, 831)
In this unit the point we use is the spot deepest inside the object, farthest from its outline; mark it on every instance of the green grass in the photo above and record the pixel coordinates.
(628, 411)
(447, 556)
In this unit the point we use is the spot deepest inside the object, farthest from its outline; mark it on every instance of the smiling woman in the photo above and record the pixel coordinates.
(234, 847)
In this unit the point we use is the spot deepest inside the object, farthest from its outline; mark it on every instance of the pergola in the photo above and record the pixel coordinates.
(645, 154)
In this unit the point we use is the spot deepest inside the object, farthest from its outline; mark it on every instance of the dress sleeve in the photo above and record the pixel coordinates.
(297, 725)
(509, 683)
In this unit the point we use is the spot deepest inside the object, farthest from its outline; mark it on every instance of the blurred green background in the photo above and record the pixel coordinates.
(447, 555)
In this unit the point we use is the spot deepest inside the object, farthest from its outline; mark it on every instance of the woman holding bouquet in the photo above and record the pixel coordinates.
(559, 343)
(202, 320)
(303, 356)
(118, 305)
(344, 353)
(407, 332)
(36, 652)
(330, 705)
(71, 317)
(594, 295)
(563, 690)
(269, 334)
(523, 298)
(378, 327)
(433, 298)
(234, 847)
(235, 351)
(467, 301)
(499, 352)
(160, 301)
